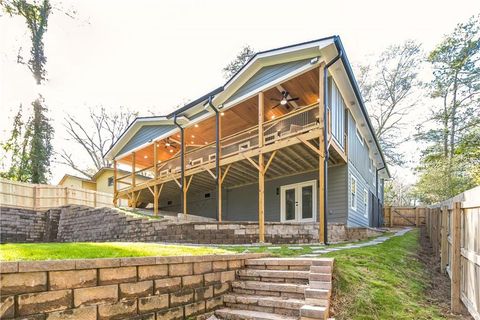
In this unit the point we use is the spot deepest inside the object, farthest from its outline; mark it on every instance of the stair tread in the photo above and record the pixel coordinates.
(228, 313)
(266, 298)
(274, 273)
(270, 286)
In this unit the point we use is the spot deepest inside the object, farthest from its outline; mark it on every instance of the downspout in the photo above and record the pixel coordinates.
(217, 150)
(376, 193)
(182, 161)
(325, 141)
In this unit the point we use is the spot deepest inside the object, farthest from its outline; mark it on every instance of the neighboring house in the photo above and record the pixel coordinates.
(102, 181)
(275, 139)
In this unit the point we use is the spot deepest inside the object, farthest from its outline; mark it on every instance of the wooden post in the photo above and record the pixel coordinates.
(455, 269)
(115, 177)
(219, 194)
(34, 190)
(134, 201)
(66, 196)
(390, 212)
(417, 217)
(321, 156)
(155, 176)
(217, 163)
(444, 240)
(261, 173)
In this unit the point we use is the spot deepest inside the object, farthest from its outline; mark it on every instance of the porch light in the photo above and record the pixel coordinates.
(196, 125)
(193, 137)
(145, 157)
(222, 114)
(283, 101)
(206, 142)
(273, 117)
(171, 150)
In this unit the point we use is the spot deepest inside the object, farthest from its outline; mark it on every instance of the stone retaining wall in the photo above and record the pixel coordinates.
(134, 288)
(77, 223)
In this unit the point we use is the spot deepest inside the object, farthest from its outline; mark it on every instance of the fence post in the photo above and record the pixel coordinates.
(444, 240)
(417, 218)
(66, 196)
(455, 266)
(390, 212)
(34, 197)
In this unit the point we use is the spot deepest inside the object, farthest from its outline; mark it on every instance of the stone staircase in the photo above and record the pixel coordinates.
(280, 289)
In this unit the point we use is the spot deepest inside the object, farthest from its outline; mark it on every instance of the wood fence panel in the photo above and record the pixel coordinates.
(404, 216)
(461, 216)
(43, 197)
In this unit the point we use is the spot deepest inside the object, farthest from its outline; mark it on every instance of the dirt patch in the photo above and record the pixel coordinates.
(438, 292)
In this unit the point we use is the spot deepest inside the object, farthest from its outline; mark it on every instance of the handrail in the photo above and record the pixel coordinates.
(291, 114)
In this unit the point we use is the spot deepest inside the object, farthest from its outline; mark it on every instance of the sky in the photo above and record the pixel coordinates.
(152, 56)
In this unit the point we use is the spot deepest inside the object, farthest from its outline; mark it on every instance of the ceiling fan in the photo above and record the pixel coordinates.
(284, 100)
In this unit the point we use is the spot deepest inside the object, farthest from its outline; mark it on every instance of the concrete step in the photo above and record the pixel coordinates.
(321, 269)
(311, 293)
(286, 274)
(236, 314)
(269, 302)
(270, 286)
(314, 312)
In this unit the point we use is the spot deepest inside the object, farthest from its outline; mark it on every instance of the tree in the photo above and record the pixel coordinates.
(95, 138)
(450, 159)
(387, 87)
(16, 151)
(398, 193)
(36, 16)
(242, 57)
(41, 142)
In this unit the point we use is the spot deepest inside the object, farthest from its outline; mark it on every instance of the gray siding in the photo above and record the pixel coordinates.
(267, 75)
(357, 217)
(144, 135)
(337, 108)
(241, 204)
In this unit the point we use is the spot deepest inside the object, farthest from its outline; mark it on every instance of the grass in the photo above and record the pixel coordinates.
(90, 250)
(385, 281)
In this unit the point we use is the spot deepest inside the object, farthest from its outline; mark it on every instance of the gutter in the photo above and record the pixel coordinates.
(325, 140)
(376, 194)
(182, 161)
(356, 90)
(217, 150)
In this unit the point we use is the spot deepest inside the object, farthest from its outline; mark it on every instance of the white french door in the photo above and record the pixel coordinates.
(298, 202)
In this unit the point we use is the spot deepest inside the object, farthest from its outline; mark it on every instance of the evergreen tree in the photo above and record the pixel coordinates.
(41, 147)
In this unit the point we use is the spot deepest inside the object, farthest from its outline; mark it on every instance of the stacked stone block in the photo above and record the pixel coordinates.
(133, 288)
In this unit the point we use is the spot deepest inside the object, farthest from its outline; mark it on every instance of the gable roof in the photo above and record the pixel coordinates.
(257, 72)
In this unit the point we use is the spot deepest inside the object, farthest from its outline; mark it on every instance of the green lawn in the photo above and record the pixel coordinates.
(386, 281)
(87, 250)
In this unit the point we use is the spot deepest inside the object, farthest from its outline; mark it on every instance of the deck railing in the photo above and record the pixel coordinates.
(293, 123)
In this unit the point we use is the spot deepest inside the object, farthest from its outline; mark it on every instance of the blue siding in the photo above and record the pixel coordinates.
(337, 110)
(267, 75)
(357, 217)
(144, 135)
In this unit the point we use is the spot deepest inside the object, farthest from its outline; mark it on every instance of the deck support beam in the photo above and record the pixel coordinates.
(115, 191)
(134, 199)
(321, 155)
(155, 174)
(261, 171)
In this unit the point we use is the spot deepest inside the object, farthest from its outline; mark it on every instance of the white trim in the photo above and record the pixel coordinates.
(212, 157)
(353, 207)
(298, 196)
(196, 162)
(359, 136)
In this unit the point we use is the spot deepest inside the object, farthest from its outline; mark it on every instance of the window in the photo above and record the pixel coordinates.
(110, 181)
(370, 165)
(353, 193)
(365, 202)
(207, 195)
(359, 136)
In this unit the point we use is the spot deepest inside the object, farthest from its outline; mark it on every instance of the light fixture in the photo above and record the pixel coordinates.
(273, 117)
(191, 142)
(196, 125)
(222, 114)
(206, 142)
(167, 144)
(145, 157)
(178, 136)
(171, 150)
(283, 101)
(193, 137)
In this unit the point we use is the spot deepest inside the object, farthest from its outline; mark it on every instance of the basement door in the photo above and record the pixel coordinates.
(298, 202)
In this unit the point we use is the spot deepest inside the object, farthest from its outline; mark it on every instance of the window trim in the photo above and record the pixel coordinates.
(110, 181)
(353, 206)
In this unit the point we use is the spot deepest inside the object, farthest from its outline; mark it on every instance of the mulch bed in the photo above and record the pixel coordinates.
(438, 292)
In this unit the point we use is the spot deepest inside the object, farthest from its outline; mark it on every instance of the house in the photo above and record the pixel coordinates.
(286, 139)
(101, 181)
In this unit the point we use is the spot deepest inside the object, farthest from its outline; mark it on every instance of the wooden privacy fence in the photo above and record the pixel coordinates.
(43, 197)
(403, 216)
(453, 228)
